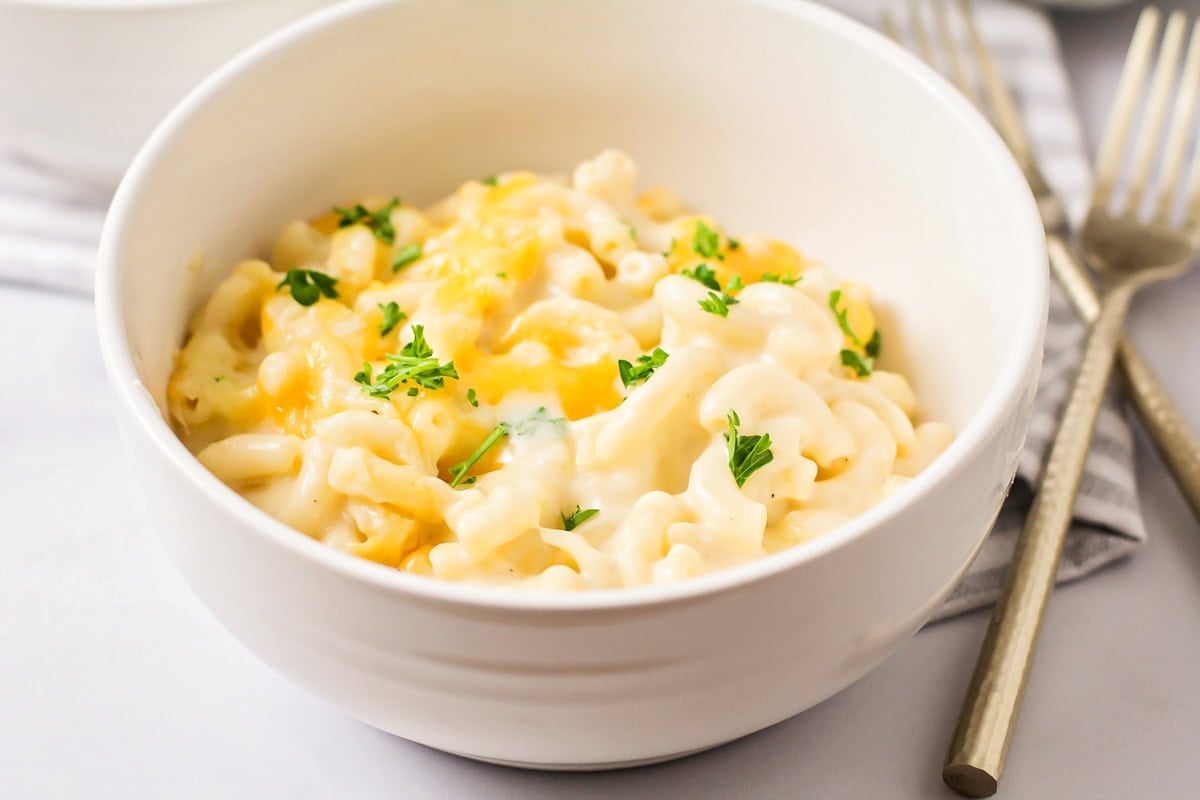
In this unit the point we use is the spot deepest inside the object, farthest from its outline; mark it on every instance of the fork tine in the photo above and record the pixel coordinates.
(888, 23)
(1004, 109)
(957, 73)
(1155, 113)
(1178, 138)
(917, 27)
(1108, 161)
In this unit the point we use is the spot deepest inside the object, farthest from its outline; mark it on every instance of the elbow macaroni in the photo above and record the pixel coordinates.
(536, 289)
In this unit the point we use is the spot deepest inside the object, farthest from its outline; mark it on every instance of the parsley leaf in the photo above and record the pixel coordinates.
(380, 222)
(747, 454)
(577, 517)
(734, 244)
(490, 180)
(472, 398)
(873, 344)
(632, 375)
(843, 320)
(405, 256)
(718, 304)
(536, 420)
(862, 365)
(704, 274)
(392, 316)
(460, 469)
(705, 240)
(786, 278)
(414, 363)
(735, 284)
(307, 285)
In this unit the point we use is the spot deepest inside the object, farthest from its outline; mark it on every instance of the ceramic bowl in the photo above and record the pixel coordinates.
(783, 117)
(86, 81)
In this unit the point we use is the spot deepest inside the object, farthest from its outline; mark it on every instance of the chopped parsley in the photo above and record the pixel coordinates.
(734, 244)
(577, 517)
(392, 316)
(380, 222)
(501, 275)
(861, 364)
(747, 454)
(633, 374)
(405, 256)
(522, 428)
(472, 398)
(415, 363)
(786, 278)
(706, 241)
(718, 304)
(670, 248)
(715, 303)
(873, 344)
(704, 274)
(307, 285)
(632, 230)
(460, 469)
(218, 378)
(536, 420)
(490, 180)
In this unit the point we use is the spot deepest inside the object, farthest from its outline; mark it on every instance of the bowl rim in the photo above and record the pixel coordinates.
(1021, 357)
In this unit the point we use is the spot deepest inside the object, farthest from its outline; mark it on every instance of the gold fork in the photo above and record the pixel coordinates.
(1129, 253)
(1178, 446)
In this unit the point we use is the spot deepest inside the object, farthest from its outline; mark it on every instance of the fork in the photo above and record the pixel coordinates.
(1178, 446)
(1129, 253)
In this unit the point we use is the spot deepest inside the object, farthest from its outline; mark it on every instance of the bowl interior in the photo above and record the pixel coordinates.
(778, 117)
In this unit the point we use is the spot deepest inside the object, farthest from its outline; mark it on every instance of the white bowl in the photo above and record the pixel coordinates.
(86, 81)
(777, 116)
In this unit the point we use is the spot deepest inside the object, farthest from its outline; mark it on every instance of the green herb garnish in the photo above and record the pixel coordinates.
(786, 279)
(307, 285)
(577, 517)
(873, 344)
(747, 454)
(380, 222)
(705, 275)
(718, 304)
(405, 256)
(705, 240)
(472, 399)
(415, 363)
(392, 316)
(633, 374)
(460, 469)
(490, 180)
(862, 365)
(537, 419)
(734, 244)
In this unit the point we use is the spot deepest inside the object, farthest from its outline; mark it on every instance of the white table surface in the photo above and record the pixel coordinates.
(114, 681)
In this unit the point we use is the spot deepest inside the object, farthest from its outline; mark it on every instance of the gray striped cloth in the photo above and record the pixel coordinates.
(49, 226)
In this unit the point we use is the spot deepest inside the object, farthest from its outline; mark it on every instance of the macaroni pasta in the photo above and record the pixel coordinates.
(545, 384)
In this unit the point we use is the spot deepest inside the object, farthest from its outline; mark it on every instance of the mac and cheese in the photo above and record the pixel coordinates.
(547, 384)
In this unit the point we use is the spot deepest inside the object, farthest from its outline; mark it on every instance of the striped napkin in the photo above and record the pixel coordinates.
(49, 226)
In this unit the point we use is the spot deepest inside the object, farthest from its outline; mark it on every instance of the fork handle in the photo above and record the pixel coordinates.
(1160, 416)
(993, 700)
